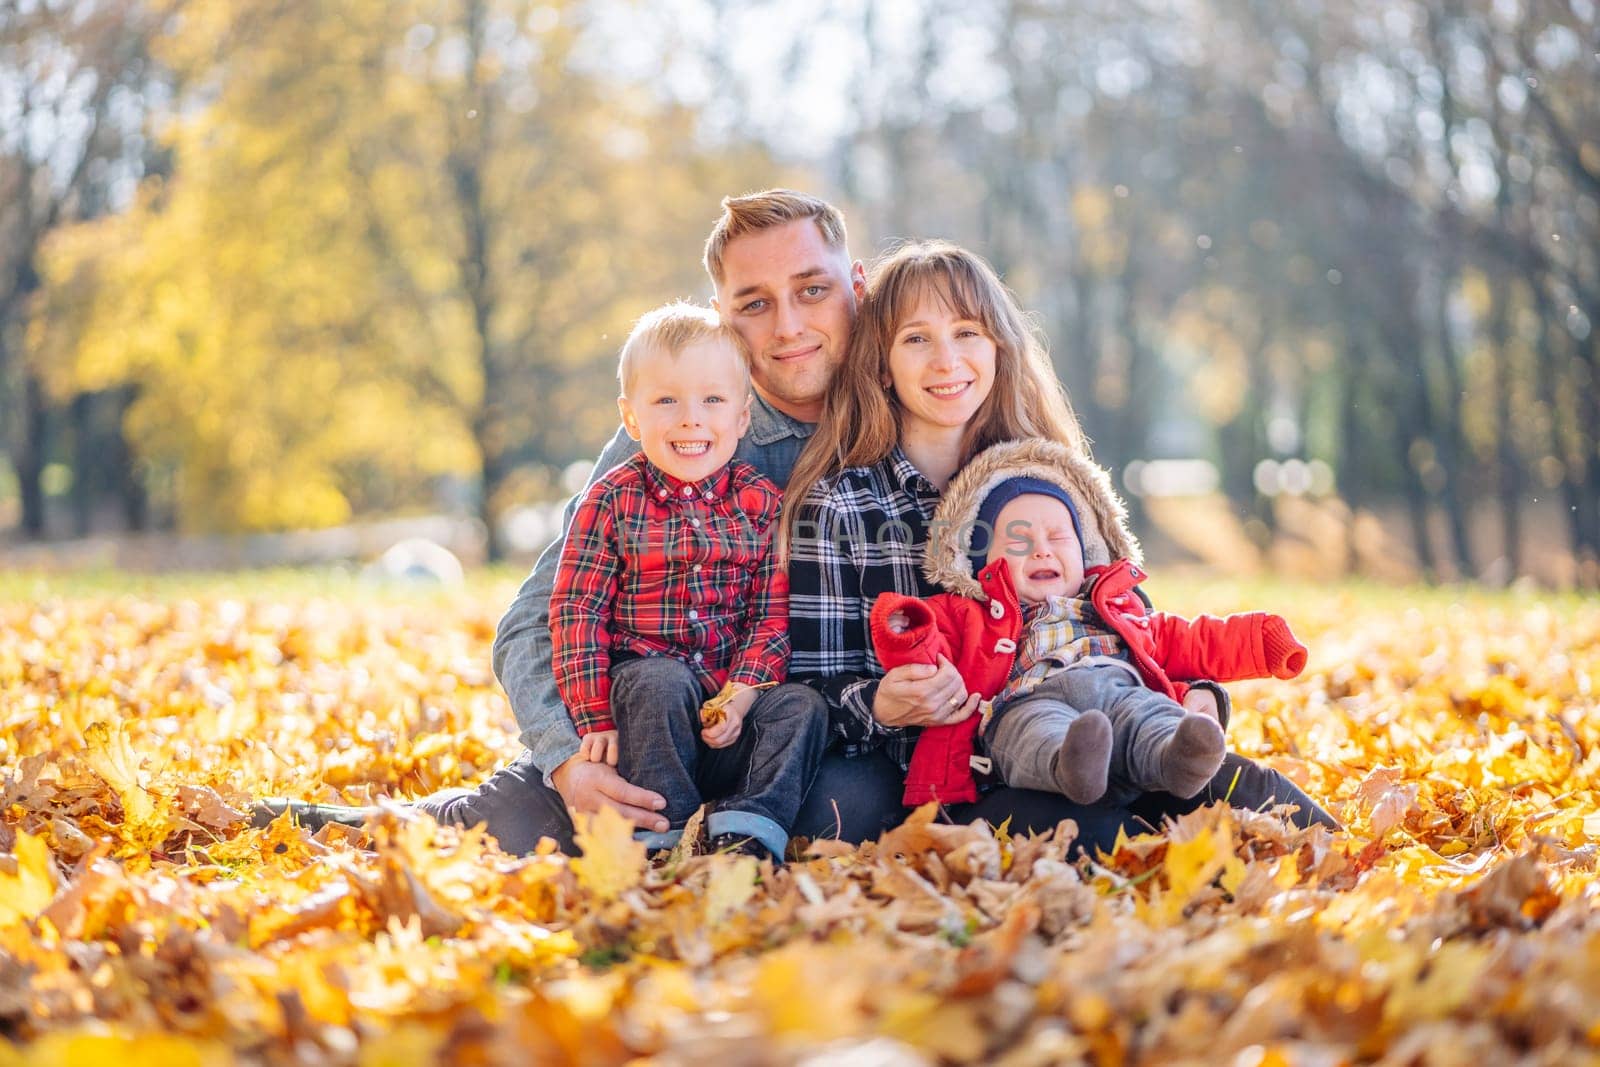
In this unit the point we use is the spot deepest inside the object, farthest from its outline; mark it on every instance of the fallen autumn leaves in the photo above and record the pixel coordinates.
(141, 919)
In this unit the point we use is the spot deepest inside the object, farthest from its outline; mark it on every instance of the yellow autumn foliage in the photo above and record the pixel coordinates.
(142, 919)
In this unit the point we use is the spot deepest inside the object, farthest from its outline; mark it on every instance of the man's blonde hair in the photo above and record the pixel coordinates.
(670, 329)
(754, 212)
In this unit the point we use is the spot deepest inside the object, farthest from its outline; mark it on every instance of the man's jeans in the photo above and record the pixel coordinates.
(755, 785)
(853, 800)
(856, 799)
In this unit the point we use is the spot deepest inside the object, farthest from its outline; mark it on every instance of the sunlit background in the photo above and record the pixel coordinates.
(1321, 278)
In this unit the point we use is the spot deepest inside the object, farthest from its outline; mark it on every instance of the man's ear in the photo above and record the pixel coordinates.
(858, 279)
(744, 416)
(630, 422)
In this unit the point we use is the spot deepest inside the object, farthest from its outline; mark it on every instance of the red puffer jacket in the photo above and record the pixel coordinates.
(981, 640)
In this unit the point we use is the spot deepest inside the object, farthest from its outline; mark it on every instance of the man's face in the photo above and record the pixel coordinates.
(792, 299)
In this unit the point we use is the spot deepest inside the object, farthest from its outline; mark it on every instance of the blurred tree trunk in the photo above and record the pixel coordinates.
(1507, 475)
(28, 456)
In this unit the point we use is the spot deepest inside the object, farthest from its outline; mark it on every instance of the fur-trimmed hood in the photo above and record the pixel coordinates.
(1101, 513)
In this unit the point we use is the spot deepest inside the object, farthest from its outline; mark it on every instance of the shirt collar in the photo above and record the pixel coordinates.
(769, 425)
(663, 486)
(909, 478)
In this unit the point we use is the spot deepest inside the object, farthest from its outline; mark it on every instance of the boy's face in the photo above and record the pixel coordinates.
(792, 299)
(1036, 536)
(688, 413)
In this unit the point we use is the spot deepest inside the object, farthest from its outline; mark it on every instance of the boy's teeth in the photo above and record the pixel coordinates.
(691, 448)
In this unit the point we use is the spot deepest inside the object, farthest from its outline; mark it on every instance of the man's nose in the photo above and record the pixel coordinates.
(790, 320)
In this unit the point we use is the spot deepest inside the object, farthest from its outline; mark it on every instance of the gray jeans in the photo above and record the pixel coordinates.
(1025, 736)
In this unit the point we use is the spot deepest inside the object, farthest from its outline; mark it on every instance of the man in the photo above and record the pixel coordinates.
(785, 282)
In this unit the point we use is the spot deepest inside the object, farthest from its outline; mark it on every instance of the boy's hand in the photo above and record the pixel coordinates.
(600, 746)
(725, 717)
(898, 622)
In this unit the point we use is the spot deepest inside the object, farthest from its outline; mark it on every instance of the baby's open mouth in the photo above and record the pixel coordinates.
(691, 448)
(1044, 574)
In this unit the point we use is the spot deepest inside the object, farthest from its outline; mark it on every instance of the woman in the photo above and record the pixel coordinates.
(942, 365)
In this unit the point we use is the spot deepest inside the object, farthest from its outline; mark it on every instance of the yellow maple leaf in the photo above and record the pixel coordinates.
(112, 757)
(129, 1050)
(1191, 866)
(28, 892)
(612, 861)
(731, 886)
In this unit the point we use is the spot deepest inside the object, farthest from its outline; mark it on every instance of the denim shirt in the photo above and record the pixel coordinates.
(522, 654)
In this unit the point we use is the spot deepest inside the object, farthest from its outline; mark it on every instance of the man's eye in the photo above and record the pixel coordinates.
(753, 308)
(814, 290)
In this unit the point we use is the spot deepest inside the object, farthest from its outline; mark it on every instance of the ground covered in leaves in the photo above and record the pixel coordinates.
(142, 921)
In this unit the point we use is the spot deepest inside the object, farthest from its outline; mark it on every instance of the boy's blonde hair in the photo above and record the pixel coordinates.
(670, 329)
(754, 212)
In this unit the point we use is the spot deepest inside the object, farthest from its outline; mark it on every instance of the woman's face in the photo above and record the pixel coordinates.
(941, 365)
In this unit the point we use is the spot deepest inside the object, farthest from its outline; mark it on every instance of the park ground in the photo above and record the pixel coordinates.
(1454, 732)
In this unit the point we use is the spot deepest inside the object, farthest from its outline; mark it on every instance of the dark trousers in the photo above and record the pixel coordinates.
(857, 799)
(655, 701)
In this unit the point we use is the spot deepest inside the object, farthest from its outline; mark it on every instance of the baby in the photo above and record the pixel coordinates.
(1085, 687)
(669, 619)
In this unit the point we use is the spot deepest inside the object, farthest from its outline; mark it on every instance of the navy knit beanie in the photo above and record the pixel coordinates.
(998, 498)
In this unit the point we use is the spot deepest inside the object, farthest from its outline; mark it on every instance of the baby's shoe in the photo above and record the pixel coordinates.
(1192, 755)
(1085, 758)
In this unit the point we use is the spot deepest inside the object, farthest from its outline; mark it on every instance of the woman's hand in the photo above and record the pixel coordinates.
(919, 695)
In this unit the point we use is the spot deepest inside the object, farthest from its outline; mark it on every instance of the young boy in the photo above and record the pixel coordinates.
(1085, 686)
(669, 618)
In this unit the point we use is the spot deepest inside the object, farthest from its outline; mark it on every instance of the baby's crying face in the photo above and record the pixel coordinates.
(1035, 535)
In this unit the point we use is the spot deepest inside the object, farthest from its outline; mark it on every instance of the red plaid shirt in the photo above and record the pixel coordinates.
(655, 566)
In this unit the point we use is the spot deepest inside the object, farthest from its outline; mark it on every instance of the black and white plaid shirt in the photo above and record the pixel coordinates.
(858, 534)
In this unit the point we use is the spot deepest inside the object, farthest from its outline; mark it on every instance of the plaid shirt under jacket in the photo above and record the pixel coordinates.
(1062, 631)
(656, 566)
(858, 534)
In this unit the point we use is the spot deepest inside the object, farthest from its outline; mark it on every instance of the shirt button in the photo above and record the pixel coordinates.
(698, 656)
(661, 494)
(688, 490)
(695, 568)
(693, 614)
(694, 522)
